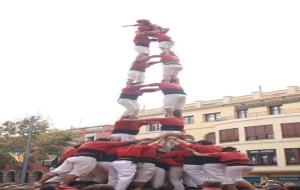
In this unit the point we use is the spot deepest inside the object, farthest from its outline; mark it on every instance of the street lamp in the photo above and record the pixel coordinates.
(27, 149)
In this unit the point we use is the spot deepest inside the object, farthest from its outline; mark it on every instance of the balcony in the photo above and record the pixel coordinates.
(254, 115)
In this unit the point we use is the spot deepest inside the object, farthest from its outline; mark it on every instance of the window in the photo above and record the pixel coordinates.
(290, 130)
(154, 127)
(259, 132)
(292, 156)
(263, 157)
(242, 113)
(213, 117)
(188, 119)
(210, 137)
(90, 138)
(275, 110)
(229, 135)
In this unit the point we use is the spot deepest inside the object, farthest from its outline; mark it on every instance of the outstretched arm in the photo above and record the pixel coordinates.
(152, 63)
(152, 84)
(149, 90)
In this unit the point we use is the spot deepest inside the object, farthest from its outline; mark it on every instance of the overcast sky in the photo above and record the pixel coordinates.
(68, 60)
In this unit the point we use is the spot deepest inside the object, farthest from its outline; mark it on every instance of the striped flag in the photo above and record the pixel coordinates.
(18, 156)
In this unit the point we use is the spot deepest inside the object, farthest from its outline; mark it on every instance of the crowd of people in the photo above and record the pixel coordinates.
(174, 160)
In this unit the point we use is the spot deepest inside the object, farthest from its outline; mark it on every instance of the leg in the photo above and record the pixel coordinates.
(158, 178)
(112, 176)
(45, 177)
(68, 179)
(125, 171)
(145, 172)
(175, 177)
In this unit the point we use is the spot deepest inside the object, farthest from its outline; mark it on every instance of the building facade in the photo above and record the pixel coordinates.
(92, 133)
(264, 125)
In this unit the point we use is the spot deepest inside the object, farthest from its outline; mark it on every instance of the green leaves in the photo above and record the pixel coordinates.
(13, 137)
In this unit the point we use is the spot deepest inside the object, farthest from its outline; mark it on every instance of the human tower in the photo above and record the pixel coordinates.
(172, 159)
(174, 96)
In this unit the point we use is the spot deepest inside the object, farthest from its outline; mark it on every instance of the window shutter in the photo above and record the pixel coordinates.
(269, 131)
(250, 133)
(260, 132)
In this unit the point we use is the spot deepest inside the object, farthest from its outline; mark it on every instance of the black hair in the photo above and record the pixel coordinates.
(103, 139)
(205, 142)
(177, 113)
(229, 149)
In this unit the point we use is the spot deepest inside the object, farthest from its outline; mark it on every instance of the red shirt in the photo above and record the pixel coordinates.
(133, 92)
(110, 154)
(150, 151)
(142, 40)
(140, 65)
(170, 123)
(169, 88)
(130, 151)
(169, 59)
(172, 158)
(129, 126)
(143, 27)
(100, 145)
(67, 154)
(161, 36)
(231, 157)
(190, 158)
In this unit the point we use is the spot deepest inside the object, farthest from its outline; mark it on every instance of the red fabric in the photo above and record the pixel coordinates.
(142, 39)
(169, 121)
(174, 121)
(206, 148)
(230, 156)
(67, 154)
(161, 36)
(172, 158)
(140, 65)
(199, 148)
(101, 146)
(143, 27)
(169, 58)
(135, 90)
(130, 124)
(150, 151)
(167, 85)
(130, 151)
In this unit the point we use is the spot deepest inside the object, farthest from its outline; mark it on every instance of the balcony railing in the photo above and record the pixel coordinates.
(261, 114)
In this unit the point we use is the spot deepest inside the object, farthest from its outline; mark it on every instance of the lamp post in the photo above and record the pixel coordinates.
(27, 149)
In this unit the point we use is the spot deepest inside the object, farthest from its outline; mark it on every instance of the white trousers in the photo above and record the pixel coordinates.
(142, 49)
(78, 166)
(124, 137)
(216, 171)
(131, 106)
(121, 174)
(196, 173)
(171, 70)
(175, 101)
(175, 174)
(236, 173)
(145, 172)
(165, 44)
(158, 178)
(136, 76)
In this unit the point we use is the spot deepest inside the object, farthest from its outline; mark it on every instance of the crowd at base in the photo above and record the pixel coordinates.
(173, 162)
(209, 185)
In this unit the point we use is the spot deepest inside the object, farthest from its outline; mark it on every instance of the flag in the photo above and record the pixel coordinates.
(18, 156)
